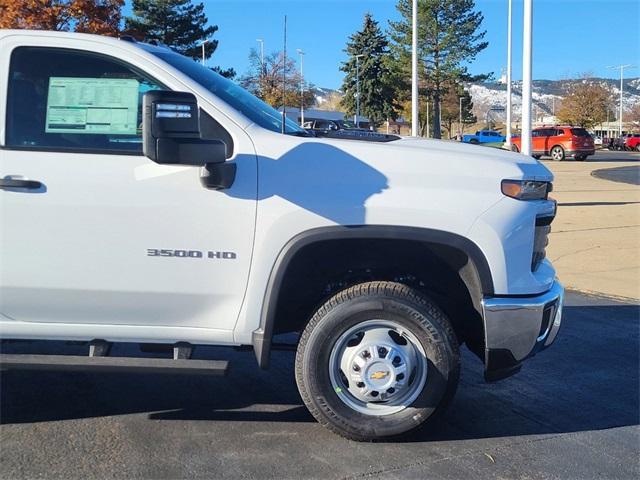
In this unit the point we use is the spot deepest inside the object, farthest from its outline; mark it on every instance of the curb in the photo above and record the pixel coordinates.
(609, 296)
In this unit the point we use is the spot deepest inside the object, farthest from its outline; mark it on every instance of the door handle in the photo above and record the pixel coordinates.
(9, 182)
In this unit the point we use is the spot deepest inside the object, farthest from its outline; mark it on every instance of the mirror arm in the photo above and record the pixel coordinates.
(218, 176)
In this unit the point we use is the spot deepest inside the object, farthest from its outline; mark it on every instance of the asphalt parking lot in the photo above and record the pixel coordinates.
(573, 412)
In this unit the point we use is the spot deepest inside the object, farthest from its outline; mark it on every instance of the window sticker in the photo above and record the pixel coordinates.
(92, 105)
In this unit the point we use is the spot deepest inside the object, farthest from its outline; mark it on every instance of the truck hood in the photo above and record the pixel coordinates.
(437, 184)
(446, 157)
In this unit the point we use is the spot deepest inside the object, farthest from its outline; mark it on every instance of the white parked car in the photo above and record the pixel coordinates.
(146, 199)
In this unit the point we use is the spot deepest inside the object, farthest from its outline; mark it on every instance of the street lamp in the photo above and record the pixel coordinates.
(507, 143)
(261, 42)
(203, 53)
(621, 67)
(414, 70)
(357, 119)
(301, 86)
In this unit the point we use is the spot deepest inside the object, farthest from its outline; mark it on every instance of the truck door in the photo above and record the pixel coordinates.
(92, 232)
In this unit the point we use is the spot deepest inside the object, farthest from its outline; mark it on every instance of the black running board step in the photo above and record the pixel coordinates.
(112, 364)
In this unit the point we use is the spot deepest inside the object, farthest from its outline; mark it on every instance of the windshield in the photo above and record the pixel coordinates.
(229, 92)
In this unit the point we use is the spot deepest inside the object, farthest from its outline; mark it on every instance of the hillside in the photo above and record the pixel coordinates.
(545, 94)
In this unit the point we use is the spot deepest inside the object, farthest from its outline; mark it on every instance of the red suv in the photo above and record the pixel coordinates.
(632, 141)
(558, 143)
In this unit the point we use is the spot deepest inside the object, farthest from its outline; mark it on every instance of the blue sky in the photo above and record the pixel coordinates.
(571, 37)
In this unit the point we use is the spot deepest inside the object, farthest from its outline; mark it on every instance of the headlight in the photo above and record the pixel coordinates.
(526, 189)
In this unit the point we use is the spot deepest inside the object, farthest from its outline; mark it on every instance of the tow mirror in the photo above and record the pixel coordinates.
(171, 136)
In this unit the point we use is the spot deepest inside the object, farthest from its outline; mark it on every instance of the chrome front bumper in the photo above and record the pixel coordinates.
(516, 328)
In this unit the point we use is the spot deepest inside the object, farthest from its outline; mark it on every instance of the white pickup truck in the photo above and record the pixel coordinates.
(146, 199)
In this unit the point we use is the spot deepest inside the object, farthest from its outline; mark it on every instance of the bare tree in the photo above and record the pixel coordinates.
(265, 81)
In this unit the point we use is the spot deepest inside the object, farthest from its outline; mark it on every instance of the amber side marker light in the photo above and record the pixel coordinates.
(526, 189)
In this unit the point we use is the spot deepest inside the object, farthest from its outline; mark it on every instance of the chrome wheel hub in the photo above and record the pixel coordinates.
(377, 367)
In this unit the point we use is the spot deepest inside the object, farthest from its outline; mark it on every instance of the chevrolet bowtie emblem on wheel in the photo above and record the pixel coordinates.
(379, 375)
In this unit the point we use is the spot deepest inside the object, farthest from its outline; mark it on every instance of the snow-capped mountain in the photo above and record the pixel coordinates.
(547, 95)
(323, 94)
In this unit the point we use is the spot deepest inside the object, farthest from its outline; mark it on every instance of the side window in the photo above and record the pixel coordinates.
(71, 100)
(559, 132)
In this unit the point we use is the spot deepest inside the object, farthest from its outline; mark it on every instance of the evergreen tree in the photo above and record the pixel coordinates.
(449, 37)
(376, 92)
(179, 24)
(229, 73)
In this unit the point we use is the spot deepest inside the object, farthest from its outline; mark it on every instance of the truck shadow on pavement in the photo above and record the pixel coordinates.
(588, 380)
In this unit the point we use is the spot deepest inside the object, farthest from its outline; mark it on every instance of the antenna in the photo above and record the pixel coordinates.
(284, 75)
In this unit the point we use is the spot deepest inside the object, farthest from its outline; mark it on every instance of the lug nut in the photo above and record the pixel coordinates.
(360, 384)
(396, 360)
(391, 390)
(366, 354)
(400, 376)
(356, 368)
(382, 351)
(374, 394)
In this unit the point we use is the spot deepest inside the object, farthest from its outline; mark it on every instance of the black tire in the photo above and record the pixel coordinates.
(537, 157)
(381, 301)
(557, 153)
(514, 148)
(473, 141)
(581, 158)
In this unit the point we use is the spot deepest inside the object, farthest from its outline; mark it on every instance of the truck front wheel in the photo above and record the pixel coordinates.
(376, 361)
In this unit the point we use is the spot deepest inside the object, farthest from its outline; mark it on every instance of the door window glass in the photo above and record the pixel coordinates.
(71, 100)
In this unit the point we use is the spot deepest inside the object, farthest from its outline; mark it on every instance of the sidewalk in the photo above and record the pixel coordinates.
(595, 239)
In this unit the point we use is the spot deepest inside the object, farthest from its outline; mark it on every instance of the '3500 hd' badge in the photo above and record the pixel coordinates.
(216, 255)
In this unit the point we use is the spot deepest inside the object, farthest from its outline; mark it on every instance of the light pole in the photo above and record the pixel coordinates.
(621, 67)
(357, 119)
(204, 42)
(507, 143)
(460, 133)
(414, 70)
(301, 86)
(428, 135)
(526, 76)
(261, 42)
